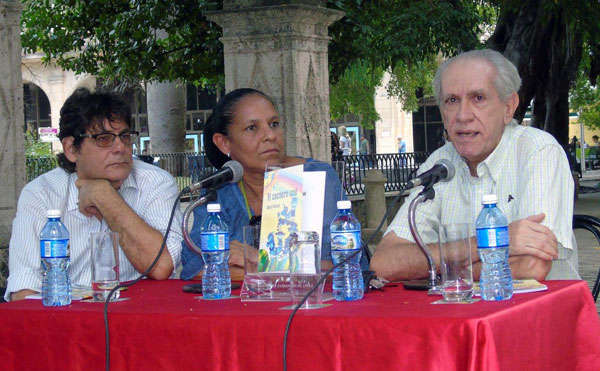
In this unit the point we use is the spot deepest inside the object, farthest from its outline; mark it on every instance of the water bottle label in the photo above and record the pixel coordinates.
(492, 237)
(349, 240)
(54, 248)
(214, 241)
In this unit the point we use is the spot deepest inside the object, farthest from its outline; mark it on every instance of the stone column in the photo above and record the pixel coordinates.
(166, 116)
(12, 151)
(282, 50)
(375, 204)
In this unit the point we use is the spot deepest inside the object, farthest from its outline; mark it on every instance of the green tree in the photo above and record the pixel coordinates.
(403, 37)
(117, 39)
(35, 148)
(354, 93)
(545, 39)
(585, 96)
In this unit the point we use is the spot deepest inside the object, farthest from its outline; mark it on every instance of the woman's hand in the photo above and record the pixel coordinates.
(236, 255)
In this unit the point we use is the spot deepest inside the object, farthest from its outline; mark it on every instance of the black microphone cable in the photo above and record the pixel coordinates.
(143, 275)
(324, 276)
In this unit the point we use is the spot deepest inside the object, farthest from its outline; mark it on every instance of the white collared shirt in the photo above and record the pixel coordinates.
(148, 190)
(529, 173)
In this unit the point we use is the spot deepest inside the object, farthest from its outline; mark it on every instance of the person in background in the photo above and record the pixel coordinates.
(364, 145)
(595, 152)
(524, 166)
(335, 146)
(401, 145)
(364, 150)
(245, 127)
(401, 149)
(99, 186)
(344, 141)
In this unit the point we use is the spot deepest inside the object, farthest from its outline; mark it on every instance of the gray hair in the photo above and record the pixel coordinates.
(507, 78)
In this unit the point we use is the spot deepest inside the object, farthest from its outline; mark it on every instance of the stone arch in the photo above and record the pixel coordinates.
(56, 83)
(36, 107)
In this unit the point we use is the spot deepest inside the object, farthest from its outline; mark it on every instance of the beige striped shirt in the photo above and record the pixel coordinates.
(529, 173)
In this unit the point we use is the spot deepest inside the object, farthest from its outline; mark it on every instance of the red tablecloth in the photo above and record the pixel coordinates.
(162, 328)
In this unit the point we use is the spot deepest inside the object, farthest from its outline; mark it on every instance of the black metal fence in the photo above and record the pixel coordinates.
(398, 168)
(188, 168)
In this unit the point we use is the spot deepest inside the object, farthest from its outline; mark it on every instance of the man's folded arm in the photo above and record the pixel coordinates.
(398, 259)
(139, 241)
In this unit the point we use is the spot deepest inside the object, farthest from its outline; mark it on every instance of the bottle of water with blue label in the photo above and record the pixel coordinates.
(345, 240)
(214, 243)
(492, 244)
(55, 254)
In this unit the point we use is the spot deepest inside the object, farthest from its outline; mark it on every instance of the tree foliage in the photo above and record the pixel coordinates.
(354, 93)
(122, 40)
(403, 37)
(118, 40)
(406, 79)
(35, 148)
(585, 96)
(388, 32)
(545, 39)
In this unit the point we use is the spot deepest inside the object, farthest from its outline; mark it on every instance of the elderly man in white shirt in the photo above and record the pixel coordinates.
(525, 167)
(98, 187)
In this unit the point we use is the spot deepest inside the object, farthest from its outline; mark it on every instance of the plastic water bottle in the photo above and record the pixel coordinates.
(345, 240)
(55, 254)
(214, 242)
(492, 245)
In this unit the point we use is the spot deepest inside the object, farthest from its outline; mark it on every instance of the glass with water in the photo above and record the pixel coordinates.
(305, 269)
(456, 265)
(105, 264)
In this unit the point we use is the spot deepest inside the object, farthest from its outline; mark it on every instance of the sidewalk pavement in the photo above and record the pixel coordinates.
(589, 250)
(590, 175)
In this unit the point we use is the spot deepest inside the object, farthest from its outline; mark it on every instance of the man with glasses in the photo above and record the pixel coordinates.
(98, 187)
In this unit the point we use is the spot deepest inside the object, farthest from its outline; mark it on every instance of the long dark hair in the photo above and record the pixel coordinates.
(219, 122)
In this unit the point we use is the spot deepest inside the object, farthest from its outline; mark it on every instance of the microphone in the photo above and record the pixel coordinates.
(442, 171)
(231, 172)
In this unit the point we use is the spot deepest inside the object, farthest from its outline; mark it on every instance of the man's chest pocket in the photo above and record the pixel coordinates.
(509, 207)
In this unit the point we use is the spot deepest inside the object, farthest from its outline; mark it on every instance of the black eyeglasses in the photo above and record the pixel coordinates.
(108, 139)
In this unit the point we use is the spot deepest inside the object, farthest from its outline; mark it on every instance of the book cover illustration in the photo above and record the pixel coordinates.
(281, 216)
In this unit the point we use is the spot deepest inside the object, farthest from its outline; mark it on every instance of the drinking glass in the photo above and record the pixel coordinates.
(105, 264)
(456, 266)
(305, 269)
(251, 237)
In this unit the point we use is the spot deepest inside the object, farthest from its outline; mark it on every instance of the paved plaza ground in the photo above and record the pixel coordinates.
(589, 250)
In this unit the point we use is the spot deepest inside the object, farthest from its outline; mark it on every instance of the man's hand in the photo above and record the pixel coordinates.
(20, 295)
(88, 193)
(140, 242)
(529, 237)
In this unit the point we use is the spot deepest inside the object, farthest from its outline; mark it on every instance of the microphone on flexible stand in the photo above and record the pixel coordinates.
(231, 172)
(442, 171)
